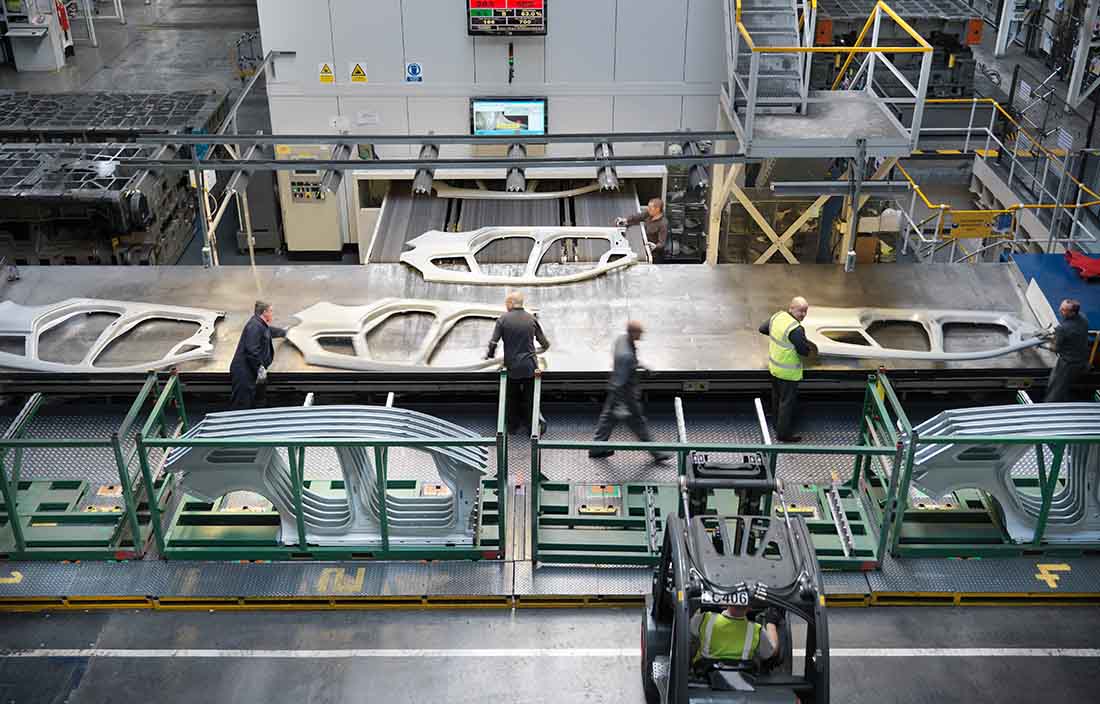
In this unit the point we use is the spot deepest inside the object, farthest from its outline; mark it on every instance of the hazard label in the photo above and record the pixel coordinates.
(325, 74)
(357, 73)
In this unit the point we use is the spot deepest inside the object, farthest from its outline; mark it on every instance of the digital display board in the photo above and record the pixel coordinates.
(521, 117)
(506, 17)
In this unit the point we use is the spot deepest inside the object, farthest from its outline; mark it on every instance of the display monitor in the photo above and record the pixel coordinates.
(519, 117)
(506, 17)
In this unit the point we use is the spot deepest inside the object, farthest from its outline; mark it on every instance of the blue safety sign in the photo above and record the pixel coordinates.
(414, 73)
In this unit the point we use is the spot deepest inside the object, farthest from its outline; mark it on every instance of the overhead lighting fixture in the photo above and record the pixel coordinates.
(332, 178)
(422, 182)
(516, 181)
(606, 176)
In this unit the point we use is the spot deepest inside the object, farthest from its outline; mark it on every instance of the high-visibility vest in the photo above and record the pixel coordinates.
(724, 638)
(783, 359)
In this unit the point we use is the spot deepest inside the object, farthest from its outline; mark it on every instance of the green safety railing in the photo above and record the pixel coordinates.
(160, 432)
(61, 546)
(682, 452)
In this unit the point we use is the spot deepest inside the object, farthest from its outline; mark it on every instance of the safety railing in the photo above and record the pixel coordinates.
(164, 432)
(743, 92)
(1027, 167)
(59, 519)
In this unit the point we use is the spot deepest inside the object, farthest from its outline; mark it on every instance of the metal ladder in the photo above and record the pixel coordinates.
(771, 23)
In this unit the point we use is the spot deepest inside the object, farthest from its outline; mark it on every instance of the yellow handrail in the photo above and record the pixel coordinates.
(856, 48)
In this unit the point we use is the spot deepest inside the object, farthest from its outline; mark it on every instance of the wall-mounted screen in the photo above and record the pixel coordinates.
(506, 17)
(521, 117)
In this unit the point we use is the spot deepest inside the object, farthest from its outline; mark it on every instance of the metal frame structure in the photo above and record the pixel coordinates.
(328, 321)
(433, 246)
(197, 531)
(632, 534)
(823, 323)
(32, 322)
(41, 519)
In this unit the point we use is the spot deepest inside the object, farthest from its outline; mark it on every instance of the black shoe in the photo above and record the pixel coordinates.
(791, 439)
(661, 457)
(597, 454)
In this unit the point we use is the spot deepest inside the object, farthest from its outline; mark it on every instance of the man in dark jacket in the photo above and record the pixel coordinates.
(654, 225)
(254, 352)
(519, 330)
(1071, 342)
(622, 395)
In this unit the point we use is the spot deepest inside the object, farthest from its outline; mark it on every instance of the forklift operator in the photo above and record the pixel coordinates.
(730, 635)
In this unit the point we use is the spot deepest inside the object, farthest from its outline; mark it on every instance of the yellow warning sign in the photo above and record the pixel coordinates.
(325, 74)
(358, 73)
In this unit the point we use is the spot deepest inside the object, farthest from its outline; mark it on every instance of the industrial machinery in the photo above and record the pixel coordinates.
(311, 203)
(77, 205)
(710, 563)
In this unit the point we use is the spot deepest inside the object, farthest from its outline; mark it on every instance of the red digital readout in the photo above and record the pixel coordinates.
(506, 4)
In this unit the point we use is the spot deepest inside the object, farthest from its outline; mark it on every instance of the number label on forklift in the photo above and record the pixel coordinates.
(726, 599)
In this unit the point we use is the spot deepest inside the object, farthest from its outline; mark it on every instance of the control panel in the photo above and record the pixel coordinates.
(305, 191)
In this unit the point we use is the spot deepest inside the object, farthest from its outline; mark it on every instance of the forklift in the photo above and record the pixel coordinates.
(750, 560)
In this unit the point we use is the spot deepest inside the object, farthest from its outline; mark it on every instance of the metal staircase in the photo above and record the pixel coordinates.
(772, 23)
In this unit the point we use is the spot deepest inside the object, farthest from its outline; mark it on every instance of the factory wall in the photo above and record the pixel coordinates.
(604, 65)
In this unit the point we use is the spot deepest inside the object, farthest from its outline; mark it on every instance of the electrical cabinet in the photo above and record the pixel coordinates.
(311, 214)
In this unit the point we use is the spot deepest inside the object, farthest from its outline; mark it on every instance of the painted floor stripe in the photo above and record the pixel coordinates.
(525, 653)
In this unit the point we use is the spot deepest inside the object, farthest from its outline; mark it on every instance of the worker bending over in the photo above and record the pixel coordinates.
(1071, 342)
(519, 330)
(255, 352)
(654, 225)
(730, 635)
(787, 346)
(623, 401)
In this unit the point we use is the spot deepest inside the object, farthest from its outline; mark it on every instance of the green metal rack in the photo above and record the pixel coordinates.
(587, 523)
(199, 530)
(42, 520)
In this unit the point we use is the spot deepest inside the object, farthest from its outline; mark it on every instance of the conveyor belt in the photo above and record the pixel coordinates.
(404, 218)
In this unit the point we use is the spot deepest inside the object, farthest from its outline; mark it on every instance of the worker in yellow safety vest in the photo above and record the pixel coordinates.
(787, 345)
(731, 636)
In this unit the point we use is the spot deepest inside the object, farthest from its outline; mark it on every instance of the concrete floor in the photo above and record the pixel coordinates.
(511, 673)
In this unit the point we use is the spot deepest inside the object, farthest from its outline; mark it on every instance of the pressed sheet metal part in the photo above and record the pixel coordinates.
(353, 518)
(824, 325)
(443, 190)
(1074, 514)
(435, 246)
(327, 321)
(31, 322)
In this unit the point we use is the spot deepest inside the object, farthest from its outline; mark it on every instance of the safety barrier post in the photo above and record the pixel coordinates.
(384, 513)
(502, 462)
(900, 501)
(536, 470)
(1046, 486)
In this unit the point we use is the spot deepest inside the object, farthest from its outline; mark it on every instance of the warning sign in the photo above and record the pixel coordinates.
(325, 74)
(357, 73)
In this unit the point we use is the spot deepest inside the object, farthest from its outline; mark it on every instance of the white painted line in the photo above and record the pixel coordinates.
(526, 653)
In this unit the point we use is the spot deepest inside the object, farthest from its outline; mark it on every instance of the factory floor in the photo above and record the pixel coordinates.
(880, 655)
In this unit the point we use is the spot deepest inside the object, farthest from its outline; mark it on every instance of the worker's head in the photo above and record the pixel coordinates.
(513, 300)
(736, 612)
(655, 208)
(635, 330)
(1070, 308)
(798, 308)
(263, 311)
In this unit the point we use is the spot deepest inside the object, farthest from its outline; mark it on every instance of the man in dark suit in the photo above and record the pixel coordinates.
(255, 352)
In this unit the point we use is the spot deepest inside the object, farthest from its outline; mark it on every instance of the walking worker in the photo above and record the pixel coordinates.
(1071, 343)
(787, 346)
(519, 330)
(255, 352)
(654, 224)
(622, 395)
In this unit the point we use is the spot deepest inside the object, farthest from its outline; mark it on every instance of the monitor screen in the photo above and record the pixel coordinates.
(508, 116)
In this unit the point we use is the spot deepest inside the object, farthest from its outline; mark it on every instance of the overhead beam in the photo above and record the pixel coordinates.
(594, 138)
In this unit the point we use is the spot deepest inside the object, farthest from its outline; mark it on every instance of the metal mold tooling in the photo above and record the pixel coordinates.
(823, 325)
(355, 323)
(332, 519)
(31, 322)
(1074, 514)
(434, 246)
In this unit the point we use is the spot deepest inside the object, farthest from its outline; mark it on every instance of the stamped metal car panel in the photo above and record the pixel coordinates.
(31, 322)
(327, 320)
(435, 246)
(824, 324)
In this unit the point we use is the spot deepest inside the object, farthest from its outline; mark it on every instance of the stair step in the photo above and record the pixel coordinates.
(769, 63)
(770, 5)
(785, 37)
(768, 21)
